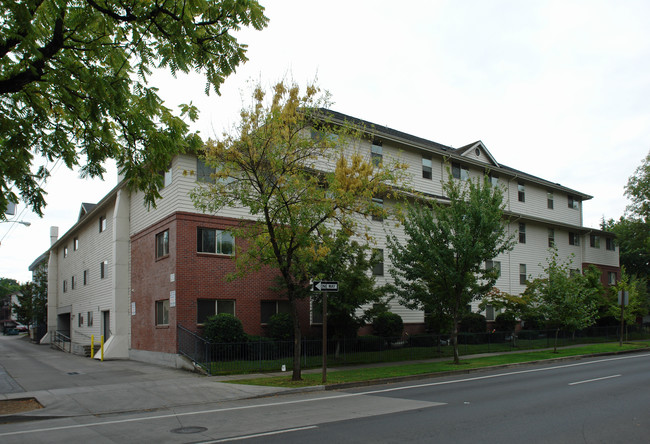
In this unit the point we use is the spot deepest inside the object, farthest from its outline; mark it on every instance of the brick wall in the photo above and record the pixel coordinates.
(196, 276)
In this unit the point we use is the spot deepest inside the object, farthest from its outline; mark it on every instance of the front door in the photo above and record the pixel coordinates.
(106, 324)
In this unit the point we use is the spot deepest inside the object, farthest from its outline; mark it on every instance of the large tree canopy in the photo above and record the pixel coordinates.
(73, 84)
(286, 163)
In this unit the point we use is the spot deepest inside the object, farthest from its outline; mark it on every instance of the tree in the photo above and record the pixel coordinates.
(349, 263)
(7, 287)
(270, 165)
(638, 191)
(74, 84)
(31, 308)
(441, 264)
(563, 298)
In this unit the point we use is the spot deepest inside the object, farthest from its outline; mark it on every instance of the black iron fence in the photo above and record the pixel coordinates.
(265, 355)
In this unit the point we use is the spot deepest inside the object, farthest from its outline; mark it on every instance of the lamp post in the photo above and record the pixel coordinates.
(21, 222)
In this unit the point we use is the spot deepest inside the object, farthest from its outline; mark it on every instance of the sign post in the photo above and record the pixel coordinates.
(325, 287)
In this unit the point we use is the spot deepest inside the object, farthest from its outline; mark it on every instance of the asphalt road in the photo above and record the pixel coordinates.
(592, 400)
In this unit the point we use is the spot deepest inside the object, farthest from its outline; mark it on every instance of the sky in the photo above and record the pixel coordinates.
(558, 89)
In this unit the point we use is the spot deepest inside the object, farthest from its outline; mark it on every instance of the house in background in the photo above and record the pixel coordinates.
(134, 275)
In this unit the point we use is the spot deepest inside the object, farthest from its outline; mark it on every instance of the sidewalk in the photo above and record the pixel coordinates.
(70, 385)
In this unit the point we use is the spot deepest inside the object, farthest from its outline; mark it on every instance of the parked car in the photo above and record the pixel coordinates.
(10, 332)
(21, 328)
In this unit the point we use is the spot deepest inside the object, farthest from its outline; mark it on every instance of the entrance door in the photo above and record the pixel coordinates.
(106, 324)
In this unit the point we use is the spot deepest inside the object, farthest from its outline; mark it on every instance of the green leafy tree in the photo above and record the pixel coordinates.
(74, 84)
(269, 165)
(564, 299)
(638, 191)
(31, 308)
(441, 264)
(7, 287)
(349, 263)
(637, 298)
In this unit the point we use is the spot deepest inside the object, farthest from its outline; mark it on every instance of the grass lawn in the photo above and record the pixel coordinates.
(372, 373)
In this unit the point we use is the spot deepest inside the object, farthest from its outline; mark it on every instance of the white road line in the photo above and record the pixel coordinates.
(324, 398)
(593, 380)
(257, 435)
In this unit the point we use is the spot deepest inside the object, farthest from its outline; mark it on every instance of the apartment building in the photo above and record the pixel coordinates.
(135, 274)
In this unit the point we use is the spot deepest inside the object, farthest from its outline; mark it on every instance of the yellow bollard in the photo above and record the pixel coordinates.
(92, 346)
(102, 348)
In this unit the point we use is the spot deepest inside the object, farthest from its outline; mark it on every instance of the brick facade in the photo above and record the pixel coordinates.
(195, 276)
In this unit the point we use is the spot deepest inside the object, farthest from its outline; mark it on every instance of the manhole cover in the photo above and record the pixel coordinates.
(188, 430)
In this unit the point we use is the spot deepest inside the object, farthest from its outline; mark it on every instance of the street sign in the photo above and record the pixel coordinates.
(623, 298)
(328, 286)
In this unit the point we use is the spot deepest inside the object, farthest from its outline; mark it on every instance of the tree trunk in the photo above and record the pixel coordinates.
(296, 376)
(557, 332)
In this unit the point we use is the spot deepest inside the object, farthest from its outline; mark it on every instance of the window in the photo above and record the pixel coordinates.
(270, 308)
(162, 244)
(489, 265)
(611, 277)
(376, 153)
(210, 307)
(573, 202)
(162, 312)
(65, 251)
(426, 168)
(209, 240)
(103, 269)
(521, 192)
(65, 285)
(85, 277)
(549, 200)
(166, 175)
(378, 262)
(72, 283)
(75, 244)
(316, 312)
(378, 209)
(494, 180)
(90, 319)
(551, 238)
(522, 233)
(459, 171)
(489, 313)
(594, 241)
(80, 320)
(102, 224)
(522, 274)
(204, 172)
(574, 239)
(610, 244)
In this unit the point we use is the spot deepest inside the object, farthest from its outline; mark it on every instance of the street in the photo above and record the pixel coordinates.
(605, 399)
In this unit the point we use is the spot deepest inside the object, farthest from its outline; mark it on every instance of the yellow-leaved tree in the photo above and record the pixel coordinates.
(302, 175)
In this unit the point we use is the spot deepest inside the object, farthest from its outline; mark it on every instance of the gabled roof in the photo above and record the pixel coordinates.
(85, 209)
(380, 131)
(472, 149)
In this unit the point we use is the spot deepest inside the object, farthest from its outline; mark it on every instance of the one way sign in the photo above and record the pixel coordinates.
(329, 286)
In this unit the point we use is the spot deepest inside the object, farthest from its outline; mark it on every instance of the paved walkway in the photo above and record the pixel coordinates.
(70, 385)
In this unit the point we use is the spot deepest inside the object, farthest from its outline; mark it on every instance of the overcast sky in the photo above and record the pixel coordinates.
(558, 89)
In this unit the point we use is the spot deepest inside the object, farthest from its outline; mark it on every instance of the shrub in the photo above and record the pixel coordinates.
(505, 322)
(224, 328)
(280, 327)
(369, 343)
(423, 340)
(388, 325)
(472, 323)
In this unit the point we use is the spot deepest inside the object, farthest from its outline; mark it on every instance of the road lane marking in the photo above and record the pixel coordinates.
(593, 380)
(257, 435)
(324, 398)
